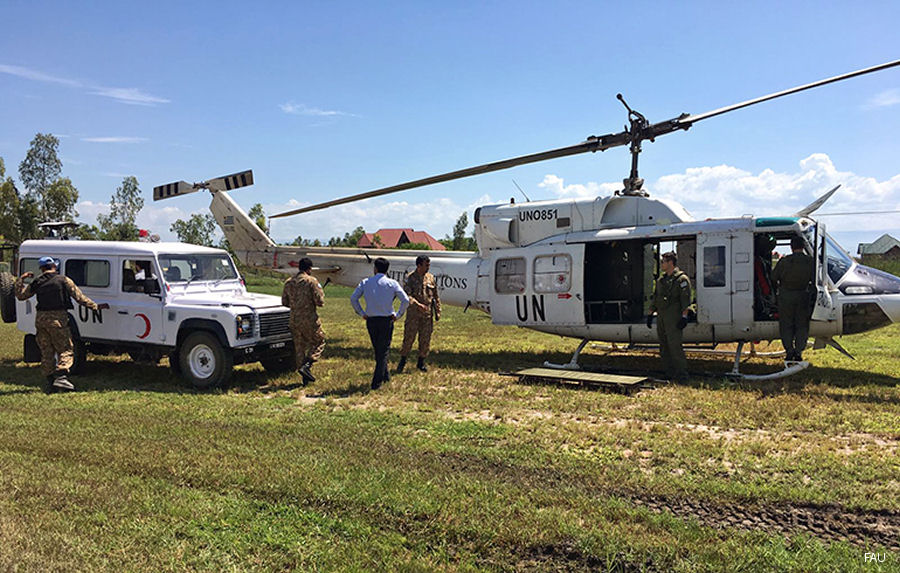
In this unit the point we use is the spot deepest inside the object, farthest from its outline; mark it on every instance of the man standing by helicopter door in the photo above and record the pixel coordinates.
(671, 302)
(793, 278)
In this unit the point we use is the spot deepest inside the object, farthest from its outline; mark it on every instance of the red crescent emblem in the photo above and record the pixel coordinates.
(146, 325)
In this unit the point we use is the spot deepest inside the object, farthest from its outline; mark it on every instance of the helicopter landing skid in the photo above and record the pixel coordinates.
(790, 367)
(572, 364)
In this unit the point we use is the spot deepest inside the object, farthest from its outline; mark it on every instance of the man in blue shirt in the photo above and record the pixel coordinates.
(380, 292)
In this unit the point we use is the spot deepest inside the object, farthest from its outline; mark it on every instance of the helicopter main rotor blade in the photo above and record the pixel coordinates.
(591, 144)
(695, 118)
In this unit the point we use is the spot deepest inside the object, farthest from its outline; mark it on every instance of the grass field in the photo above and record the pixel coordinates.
(459, 469)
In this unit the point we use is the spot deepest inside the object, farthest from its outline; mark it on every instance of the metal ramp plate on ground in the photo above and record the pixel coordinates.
(629, 383)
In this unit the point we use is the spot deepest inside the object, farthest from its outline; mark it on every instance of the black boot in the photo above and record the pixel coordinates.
(421, 365)
(401, 365)
(47, 386)
(305, 372)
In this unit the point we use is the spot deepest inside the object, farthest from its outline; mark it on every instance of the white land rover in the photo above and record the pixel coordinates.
(174, 299)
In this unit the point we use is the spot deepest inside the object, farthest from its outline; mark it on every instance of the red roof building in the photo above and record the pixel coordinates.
(390, 238)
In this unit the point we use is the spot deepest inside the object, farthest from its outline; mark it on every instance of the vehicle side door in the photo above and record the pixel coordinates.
(139, 305)
(94, 275)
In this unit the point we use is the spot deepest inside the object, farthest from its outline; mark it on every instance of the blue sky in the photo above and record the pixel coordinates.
(326, 99)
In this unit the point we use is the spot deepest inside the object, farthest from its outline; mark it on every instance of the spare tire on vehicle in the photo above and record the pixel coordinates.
(7, 297)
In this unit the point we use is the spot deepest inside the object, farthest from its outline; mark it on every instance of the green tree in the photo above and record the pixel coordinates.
(414, 246)
(88, 232)
(124, 207)
(41, 175)
(60, 198)
(459, 232)
(258, 215)
(9, 206)
(198, 230)
(349, 239)
(29, 214)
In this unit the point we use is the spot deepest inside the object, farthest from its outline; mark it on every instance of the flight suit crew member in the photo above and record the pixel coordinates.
(54, 293)
(671, 302)
(302, 294)
(380, 292)
(793, 277)
(424, 310)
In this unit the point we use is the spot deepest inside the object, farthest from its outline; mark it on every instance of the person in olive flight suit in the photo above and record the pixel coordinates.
(793, 278)
(424, 311)
(302, 294)
(51, 321)
(671, 302)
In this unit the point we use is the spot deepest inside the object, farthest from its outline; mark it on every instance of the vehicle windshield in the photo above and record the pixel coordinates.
(191, 267)
(839, 262)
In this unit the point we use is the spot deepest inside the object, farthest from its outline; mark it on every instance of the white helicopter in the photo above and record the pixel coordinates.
(586, 268)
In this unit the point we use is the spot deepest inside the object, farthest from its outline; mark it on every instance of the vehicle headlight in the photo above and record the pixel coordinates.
(244, 325)
(861, 289)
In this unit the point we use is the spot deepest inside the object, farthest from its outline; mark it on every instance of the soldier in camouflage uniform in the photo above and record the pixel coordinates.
(793, 278)
(54, 293)
(671, 301)
(424, 309)
(302, 294)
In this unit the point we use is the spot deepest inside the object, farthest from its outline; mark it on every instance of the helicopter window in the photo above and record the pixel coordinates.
(839, 262)
(509, 276)
(552, 273)
(714, 266)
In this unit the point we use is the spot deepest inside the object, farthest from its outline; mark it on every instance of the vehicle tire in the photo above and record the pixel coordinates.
(279, 364)
(204, 363)
(7, 297)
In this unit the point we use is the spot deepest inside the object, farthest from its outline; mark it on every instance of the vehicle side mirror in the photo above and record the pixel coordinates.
(151, 286)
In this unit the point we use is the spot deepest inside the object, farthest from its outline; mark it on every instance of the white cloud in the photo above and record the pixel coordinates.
(886, 98)
(116, 139)
(555, 185)
(302, 109)
(132, 96)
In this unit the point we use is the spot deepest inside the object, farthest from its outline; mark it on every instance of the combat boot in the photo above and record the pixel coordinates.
(62, 382)
(421, 365)
(401, 365)
(305, 372)
(47, 386)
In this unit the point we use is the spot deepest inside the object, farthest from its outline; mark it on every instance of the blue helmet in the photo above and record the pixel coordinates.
(44, 262)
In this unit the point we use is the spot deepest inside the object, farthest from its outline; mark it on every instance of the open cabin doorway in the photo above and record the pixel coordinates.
(619, 276)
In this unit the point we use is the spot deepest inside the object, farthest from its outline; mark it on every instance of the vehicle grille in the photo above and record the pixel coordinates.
(274, 324)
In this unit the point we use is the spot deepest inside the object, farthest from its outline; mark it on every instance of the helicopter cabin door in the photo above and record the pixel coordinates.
(714, 286)
(538, 286)
(823, 309)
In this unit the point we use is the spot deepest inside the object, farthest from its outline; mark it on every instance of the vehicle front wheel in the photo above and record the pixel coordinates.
(203, 361)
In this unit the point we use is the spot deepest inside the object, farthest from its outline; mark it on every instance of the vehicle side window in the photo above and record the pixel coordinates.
(88, 272)
(714, 266)
(552, 273)
(29, 266)
(135, 273)
(509, 276)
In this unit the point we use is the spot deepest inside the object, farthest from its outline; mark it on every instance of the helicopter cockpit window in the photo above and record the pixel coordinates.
(714, 266)
(552, 273)
(509, 276)
(839, 262)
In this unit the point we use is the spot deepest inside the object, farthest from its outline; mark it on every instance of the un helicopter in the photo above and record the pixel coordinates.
(585, 268)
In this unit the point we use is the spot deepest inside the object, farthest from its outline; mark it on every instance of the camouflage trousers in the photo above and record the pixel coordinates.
(421, 324)
(309, 339)
(55, 341)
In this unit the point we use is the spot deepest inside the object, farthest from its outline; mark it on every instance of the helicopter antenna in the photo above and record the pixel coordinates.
(520, 191)
(637, 131)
